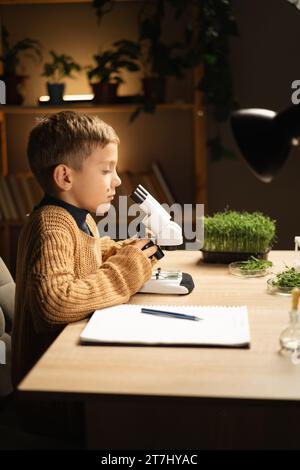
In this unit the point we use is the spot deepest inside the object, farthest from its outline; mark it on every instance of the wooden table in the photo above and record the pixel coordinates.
(184, 397)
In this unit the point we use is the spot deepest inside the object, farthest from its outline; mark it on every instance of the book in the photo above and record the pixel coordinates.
(161, 181)
(9, 202)
(127, 184)
(158, 191)
(219, 326)
(34, 188)
(152, 180)
(22, 195)
(17, 196)
(29, 190)
(146, 181)
(26, 191)
(3, 205)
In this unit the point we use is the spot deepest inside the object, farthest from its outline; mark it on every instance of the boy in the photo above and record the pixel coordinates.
(65, 271)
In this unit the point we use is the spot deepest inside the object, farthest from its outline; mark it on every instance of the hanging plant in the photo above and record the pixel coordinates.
(158, 59)
(102, 7)
(205, 41)
(217, 26)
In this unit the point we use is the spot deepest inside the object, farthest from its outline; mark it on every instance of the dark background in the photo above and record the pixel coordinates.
(265, 61)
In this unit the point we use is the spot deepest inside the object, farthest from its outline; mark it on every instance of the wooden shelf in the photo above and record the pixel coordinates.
(36, 2)
(117, 108)
(189, 114)
(39, 2)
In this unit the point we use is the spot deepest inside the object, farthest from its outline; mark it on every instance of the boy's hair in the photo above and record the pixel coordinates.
(65, 137)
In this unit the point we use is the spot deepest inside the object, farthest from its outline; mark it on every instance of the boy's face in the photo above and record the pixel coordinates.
(94, 185)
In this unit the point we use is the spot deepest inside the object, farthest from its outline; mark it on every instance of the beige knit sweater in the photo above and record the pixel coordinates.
(62, 276)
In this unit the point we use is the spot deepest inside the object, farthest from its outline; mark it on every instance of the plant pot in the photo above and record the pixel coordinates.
(226, 257)
(105, 93)
(56, 92)
(154, 89)
(14, 86)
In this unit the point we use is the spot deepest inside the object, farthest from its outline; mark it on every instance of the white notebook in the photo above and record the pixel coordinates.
(220, 326)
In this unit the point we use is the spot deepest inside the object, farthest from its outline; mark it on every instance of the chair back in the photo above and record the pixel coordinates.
(7, 301)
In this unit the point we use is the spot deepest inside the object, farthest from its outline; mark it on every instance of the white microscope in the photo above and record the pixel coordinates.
(166, 233)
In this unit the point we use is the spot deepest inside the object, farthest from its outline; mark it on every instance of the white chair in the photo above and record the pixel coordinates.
(7, 299)
(13, 434)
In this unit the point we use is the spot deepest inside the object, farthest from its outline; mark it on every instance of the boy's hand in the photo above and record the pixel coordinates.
(140, 243)
(149, 233)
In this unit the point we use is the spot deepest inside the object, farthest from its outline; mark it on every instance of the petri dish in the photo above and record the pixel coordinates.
(274, 289)
(236, 269)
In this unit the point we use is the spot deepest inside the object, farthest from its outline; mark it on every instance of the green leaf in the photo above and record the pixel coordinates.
(103, 7)
(12, 53)
(61, 66)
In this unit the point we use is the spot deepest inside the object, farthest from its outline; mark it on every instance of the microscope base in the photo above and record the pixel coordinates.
(168, 282)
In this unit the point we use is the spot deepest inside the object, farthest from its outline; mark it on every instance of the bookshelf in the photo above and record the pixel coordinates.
(20, 193)
(117, 108)
(41, 2)
(3, 147)
(189, 112)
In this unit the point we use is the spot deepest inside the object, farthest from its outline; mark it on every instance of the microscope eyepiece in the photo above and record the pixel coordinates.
(139, 195)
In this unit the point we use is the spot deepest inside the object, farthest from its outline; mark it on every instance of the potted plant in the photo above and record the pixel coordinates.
(236, 236)
(209, 26)
(159, 61)
(59, 68)
(105, 76)
(11, 58)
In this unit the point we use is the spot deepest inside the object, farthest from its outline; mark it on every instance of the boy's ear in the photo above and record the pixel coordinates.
(62, 176)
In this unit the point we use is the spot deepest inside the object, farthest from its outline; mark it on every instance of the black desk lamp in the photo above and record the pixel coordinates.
(265, 138)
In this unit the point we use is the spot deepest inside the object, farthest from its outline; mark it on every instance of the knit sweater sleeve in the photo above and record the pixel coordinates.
(57, 297)
(110, 247)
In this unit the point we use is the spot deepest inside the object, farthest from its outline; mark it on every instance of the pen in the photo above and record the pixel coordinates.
(170, 314)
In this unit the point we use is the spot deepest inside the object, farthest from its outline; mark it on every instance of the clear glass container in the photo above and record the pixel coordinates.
(274, 289)
(236, 268)
(289, 339)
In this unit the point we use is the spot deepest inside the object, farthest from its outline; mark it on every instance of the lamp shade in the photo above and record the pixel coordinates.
(264, 138)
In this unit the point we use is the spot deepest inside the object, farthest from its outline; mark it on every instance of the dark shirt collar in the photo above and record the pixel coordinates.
(77, 213)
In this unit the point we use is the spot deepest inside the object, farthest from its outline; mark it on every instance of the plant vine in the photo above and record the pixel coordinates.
(206, 40)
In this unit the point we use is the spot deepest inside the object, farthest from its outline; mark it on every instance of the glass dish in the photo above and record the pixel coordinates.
(235, 269)
(272, 289)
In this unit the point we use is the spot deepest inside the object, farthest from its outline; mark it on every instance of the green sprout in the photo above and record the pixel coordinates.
(288, 278)
(233, 231)
(254, 264)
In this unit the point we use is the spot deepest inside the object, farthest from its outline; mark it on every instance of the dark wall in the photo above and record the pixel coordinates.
(73, 29)
(265, 61)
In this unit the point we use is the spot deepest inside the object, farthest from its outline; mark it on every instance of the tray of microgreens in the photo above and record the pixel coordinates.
(253, 267)
(236, 236)
(284, 282)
